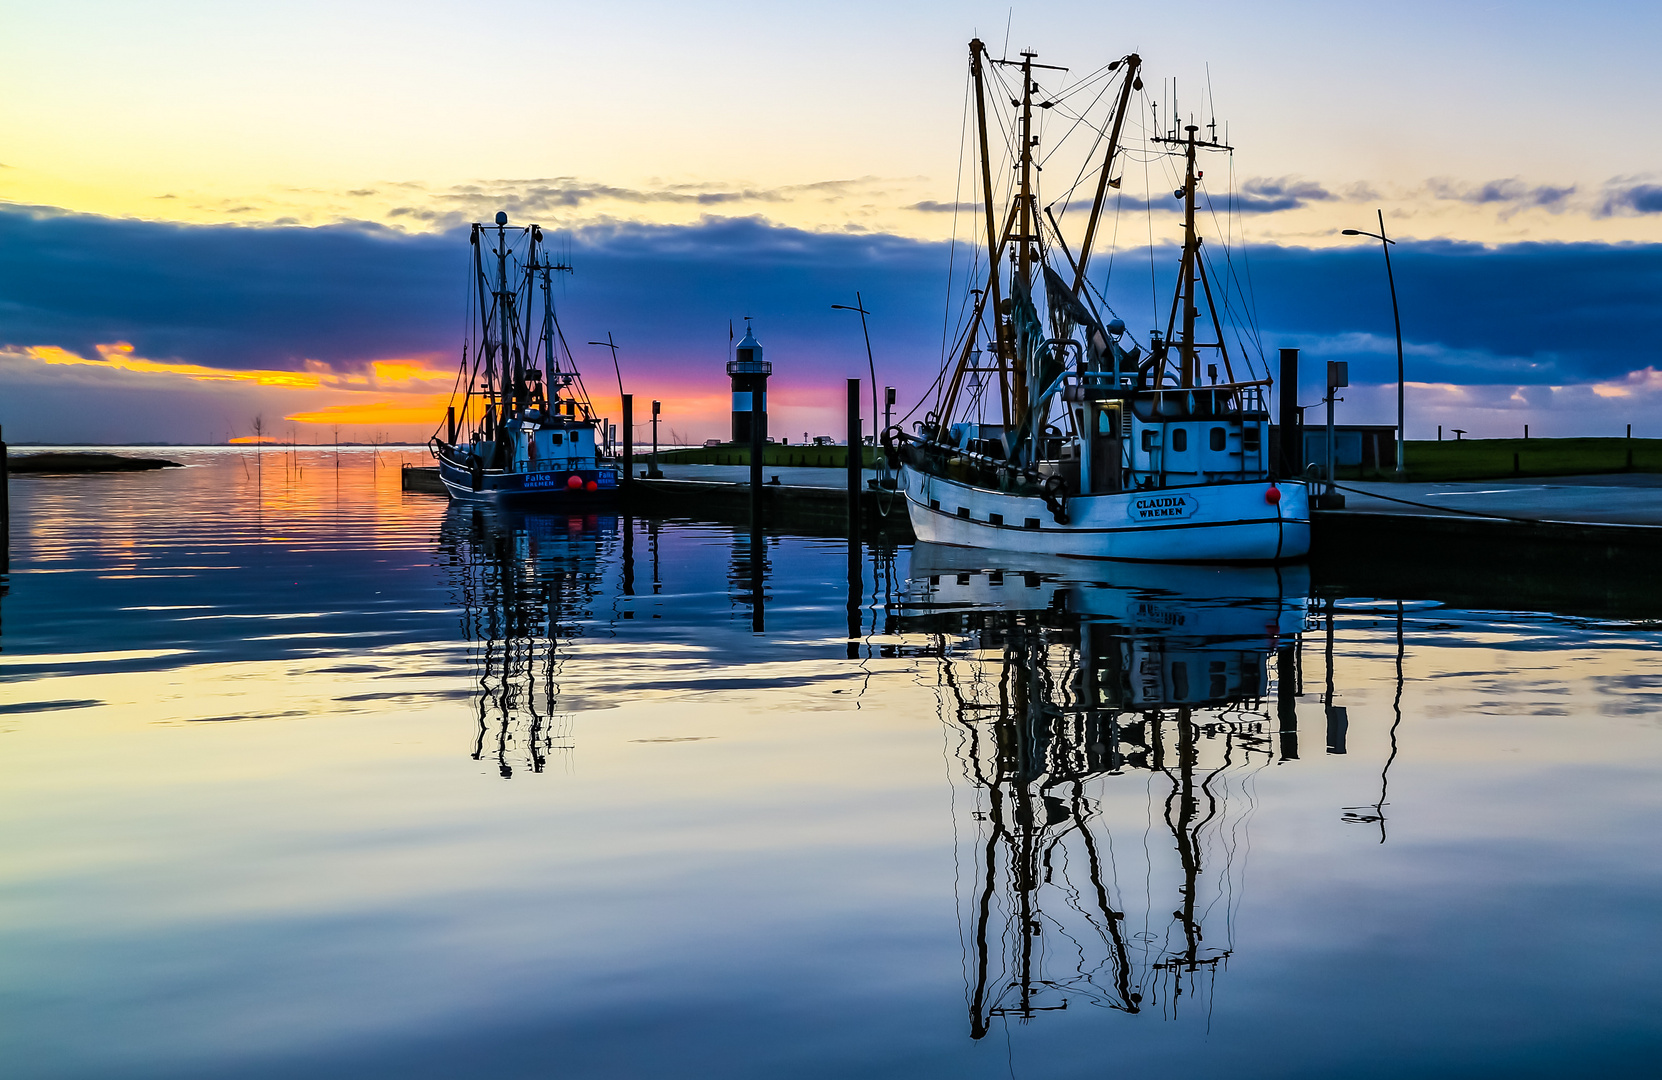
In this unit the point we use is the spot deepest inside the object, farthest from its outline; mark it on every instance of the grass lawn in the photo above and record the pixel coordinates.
(1485, 459)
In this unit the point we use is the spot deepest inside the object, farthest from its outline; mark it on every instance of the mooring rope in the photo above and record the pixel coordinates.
(1480, 514)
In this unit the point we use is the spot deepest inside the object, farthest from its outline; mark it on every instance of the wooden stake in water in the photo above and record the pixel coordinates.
(628, 443)
(854, 460)
(5, 510)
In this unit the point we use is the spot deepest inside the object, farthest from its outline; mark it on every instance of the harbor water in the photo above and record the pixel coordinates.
(301, 775)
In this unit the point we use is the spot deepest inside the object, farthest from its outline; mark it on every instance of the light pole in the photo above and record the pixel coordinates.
(614, 346)
(1385, 243)
(860, 306)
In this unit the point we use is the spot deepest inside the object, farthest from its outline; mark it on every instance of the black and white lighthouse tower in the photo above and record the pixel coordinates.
(750, 387)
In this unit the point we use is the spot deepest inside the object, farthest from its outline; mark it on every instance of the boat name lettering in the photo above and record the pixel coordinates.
(1160, 507)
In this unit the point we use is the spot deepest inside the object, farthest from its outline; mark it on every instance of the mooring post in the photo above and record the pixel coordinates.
(1292, 432)
(1338, 377)
(628, 443)
(758, 440)
(855, 456)
(652, 469)
(5, 509)
(1286, 695)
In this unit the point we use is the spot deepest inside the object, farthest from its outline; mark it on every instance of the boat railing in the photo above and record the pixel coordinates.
(563, 464)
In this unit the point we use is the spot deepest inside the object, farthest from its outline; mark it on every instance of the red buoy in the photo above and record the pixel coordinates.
(1272, 495)
(574, 482)
(592, 485)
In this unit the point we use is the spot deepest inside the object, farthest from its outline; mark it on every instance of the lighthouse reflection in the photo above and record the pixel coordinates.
(1107, 733)
(525, 585)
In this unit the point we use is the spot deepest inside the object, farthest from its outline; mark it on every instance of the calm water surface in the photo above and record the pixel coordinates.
(301, 776)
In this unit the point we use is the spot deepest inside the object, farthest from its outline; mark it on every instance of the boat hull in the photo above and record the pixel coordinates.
(541, 489)
(1233, 522)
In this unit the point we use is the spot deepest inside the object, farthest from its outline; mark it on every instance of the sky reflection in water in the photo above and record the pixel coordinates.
(304, 776)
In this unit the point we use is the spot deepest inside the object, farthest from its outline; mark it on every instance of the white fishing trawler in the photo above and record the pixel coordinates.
(523, 433)
(1064, 436)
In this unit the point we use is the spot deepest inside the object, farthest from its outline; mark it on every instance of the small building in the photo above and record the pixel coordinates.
(1367, 447)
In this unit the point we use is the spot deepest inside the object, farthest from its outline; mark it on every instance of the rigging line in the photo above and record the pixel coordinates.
(1078, 122)
(1082, 117)
(952, 253)
(1148, 205)
(1248, 315)
(1113, 245)
(1089, 158)
(1249, 294)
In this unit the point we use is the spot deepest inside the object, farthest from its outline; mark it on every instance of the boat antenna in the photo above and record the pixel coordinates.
(1211, 103)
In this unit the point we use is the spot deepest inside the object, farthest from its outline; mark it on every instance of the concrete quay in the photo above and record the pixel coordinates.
(1610, 499)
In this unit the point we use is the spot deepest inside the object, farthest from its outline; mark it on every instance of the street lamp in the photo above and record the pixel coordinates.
(612, 345)
(1385, 243)
(860, 306)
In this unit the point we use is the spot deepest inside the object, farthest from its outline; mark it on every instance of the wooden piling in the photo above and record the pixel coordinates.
(854, 461)
(628, 443)
(758, 443)
(1292, 431)
(5, 510)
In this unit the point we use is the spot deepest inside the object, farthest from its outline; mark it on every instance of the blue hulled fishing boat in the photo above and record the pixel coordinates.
(521, 432)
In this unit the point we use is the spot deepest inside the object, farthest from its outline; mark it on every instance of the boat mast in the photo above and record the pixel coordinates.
(992, 296)
(504, 300)
(1191, 267)
(1191, 255)
(1024, 242)
(491, 403)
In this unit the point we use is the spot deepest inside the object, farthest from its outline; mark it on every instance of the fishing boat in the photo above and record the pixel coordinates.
(522, 433)
(1076, 709)
(1064, 435)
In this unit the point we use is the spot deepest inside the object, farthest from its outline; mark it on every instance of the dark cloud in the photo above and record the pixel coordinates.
(1631, 199)
(930, 206)
(264, 297)
(1266, 195)
(274, 297)
(1511, 192)
(1510, 315)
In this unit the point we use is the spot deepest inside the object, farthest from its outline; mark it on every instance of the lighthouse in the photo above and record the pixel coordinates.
(749, 373)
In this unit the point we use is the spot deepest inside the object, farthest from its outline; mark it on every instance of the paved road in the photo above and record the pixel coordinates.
(1620, 499)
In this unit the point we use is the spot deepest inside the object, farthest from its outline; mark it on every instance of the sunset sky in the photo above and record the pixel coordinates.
(213, 212)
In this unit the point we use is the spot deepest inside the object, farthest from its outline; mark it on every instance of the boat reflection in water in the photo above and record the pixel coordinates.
(526, 585)
(1081, 708)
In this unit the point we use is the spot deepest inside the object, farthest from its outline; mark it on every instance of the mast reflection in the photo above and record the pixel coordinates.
(526, 585)
(1060, 695)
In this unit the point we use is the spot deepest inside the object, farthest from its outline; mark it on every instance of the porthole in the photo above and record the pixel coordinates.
(1218, 438)
(1179, 440)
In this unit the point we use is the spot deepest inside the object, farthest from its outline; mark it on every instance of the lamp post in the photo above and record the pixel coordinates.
(860, 306)
(612, 345)
(1385, 243)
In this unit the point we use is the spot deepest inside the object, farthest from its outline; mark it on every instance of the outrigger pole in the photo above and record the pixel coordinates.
(1133, 81)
